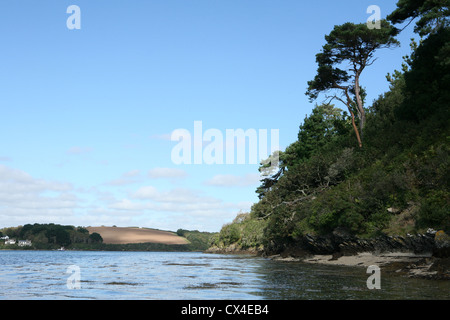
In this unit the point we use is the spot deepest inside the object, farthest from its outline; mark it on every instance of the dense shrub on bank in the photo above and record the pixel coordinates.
(397, 182)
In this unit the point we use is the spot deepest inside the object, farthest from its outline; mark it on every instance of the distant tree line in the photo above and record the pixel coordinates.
(198, 240)
(48, 235)
(53, 236)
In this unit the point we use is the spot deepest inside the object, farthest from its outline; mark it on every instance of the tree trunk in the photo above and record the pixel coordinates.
(355, 128)
(359, 105)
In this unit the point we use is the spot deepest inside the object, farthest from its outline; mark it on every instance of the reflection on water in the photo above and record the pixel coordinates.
(172, 275)
(296, 280)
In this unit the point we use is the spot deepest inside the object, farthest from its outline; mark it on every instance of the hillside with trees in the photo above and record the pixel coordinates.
(363, 170)
(54, 236)
(51, 236)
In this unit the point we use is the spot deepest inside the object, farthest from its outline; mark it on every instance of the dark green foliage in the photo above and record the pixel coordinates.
(432, 14)
(230, 233)
(324, 124)
(58, 234)
(53, 234)
(198, 240)
(317, 130)
(82, 230)
(434, 210)
(427, 83)
(400, 175)
(244, 232)
(95, 238)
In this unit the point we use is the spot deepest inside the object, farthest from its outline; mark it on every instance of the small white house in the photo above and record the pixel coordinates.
(23, 243)
(10, 241)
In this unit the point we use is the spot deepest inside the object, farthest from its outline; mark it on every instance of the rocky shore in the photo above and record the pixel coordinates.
(424, 255)
(236, 249)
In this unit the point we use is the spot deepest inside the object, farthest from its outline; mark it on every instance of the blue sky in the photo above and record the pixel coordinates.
(86, 115)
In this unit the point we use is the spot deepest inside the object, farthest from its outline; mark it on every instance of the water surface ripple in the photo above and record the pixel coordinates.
(174, 275)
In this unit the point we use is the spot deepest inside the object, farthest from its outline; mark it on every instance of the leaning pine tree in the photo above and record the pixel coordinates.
(351, 47)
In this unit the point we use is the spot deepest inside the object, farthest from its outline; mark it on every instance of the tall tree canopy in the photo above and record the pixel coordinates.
(427, 82)
(352, 46)
(433, 14)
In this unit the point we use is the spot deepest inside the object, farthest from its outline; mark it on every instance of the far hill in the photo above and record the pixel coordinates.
(120, 235)
(54, 236)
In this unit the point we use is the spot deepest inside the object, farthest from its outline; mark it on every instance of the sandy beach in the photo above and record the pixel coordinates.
(402, 263)
(119, 235)
(365, 259)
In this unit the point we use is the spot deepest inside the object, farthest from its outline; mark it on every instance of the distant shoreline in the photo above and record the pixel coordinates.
(58, 237)
(421, 256)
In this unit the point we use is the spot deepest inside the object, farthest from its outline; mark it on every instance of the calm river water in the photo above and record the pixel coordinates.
(182, 276)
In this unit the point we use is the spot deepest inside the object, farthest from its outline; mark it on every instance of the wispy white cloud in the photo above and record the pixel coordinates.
(25, 197)
(177, 195)
(136, 176)
(16, 181)
(179, 207)
(130, 177)
(128, 205)
(229, 180)
(166, 173)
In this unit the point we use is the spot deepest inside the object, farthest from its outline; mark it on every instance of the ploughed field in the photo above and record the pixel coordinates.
(120, 235)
